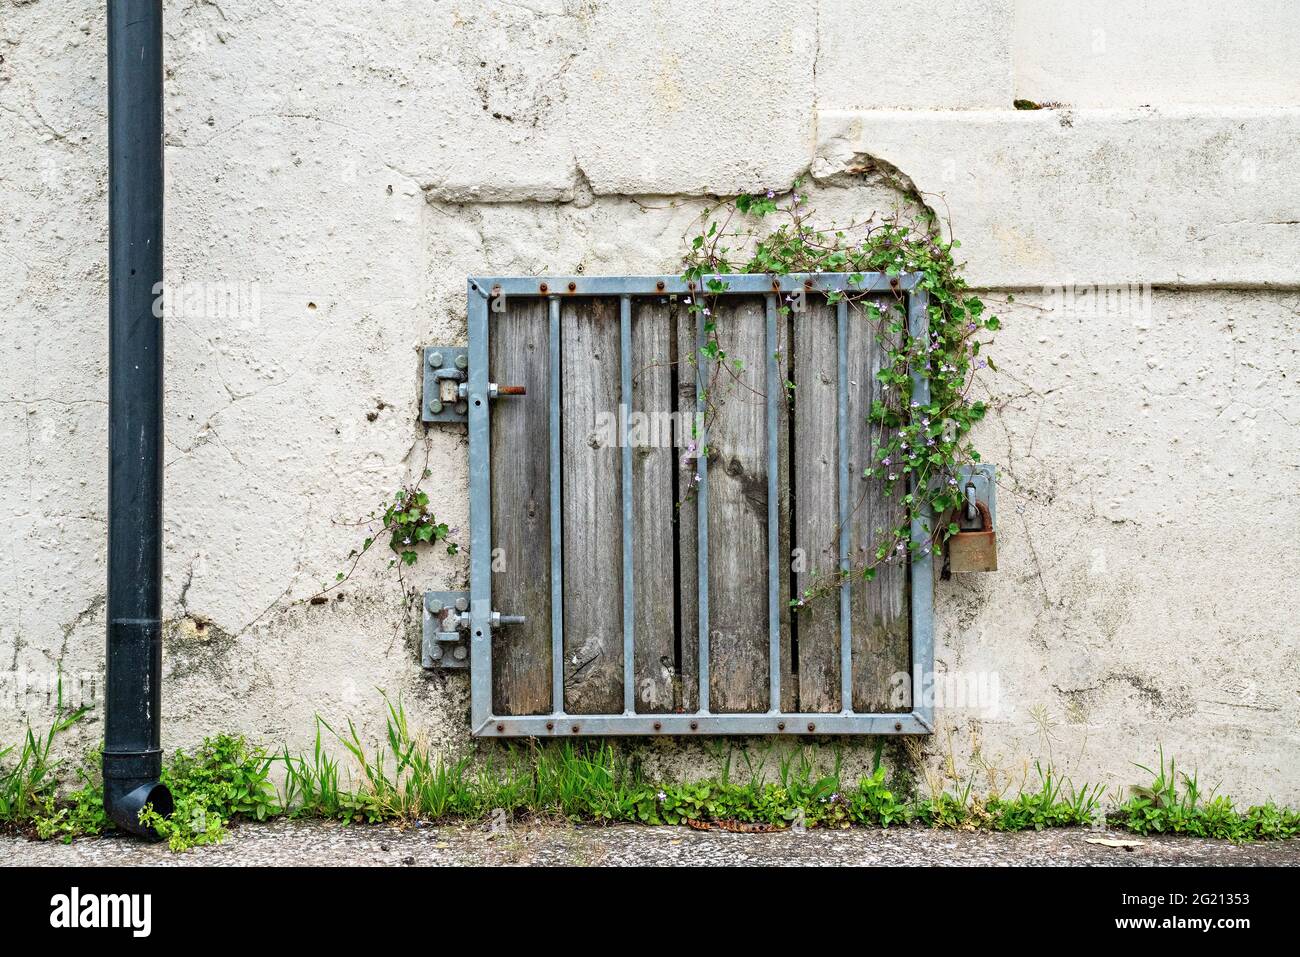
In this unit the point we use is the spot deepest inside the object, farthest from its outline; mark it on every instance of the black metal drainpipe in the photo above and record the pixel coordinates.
(132, 742)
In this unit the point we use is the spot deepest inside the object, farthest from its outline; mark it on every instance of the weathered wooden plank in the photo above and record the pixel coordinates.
(685, 358)
(650, 432)
(521, 580)
(593, 512)
(737, 520)
(880, 608)
(816, 506)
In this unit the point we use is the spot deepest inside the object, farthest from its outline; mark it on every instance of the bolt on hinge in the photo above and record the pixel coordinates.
(445, 642)
(446, 385)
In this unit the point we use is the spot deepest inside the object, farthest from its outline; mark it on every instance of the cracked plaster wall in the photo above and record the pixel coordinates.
(354, 163)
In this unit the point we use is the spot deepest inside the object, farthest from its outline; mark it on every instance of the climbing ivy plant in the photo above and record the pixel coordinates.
(917, 448)
(406, 521)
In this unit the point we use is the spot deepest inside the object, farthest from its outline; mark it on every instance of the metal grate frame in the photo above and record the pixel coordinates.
(701, 722)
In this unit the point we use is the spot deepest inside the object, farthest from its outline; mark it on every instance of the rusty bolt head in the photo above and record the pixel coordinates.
(811, 726)
(691, 286)
(776, 285)
(660, 285)
(543, 289)
(695, 726)
(574, 729)
(898, 726)
(550, 726)
(807, 283)
(780, 726)
(658, 726)
(893, 282)
(573, 287)
(500, 728)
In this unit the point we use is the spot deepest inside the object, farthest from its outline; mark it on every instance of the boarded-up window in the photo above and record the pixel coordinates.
(656, 582)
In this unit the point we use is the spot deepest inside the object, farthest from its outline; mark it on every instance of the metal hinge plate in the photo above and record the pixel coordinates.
(445, 642)
(444, 369)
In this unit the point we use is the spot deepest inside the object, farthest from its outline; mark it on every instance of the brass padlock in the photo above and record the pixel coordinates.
(975, 550)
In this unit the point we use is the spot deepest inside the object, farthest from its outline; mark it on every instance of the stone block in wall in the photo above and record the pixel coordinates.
(679, 96)
(1098, 196)
(1114, 53)
(914, 55)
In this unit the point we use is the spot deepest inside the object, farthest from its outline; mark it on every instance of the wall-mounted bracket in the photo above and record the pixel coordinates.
(445, 642)
(445, 394)
(978, 484)
(445, 369)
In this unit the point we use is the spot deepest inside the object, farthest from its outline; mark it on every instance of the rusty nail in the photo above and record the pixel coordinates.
(543, 288)
(572, 286)
(501, 727)
(893, 282)
(811, 726)
(550, 726)
(658, 725)
(898, 726)
(695, 726)
(660, 285)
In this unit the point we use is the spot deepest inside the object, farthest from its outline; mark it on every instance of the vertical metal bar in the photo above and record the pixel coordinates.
(922, 572)
(557, 519)
(842, 428)
(774, 564)
(625, 411)
(480, 508)
(702, 502)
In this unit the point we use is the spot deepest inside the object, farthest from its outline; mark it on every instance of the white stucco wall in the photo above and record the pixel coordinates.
(352, 163)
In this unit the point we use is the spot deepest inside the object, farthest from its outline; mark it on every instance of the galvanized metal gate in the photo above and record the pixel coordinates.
(566, 503)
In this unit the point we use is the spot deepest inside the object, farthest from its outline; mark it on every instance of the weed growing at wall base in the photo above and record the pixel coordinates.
(227, 780)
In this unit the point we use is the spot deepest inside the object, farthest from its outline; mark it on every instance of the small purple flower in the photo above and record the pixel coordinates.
(771, 194)
(885, 461)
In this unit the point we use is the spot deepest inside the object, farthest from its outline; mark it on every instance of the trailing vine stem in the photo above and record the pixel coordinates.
(917, 449)
(407, 521)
